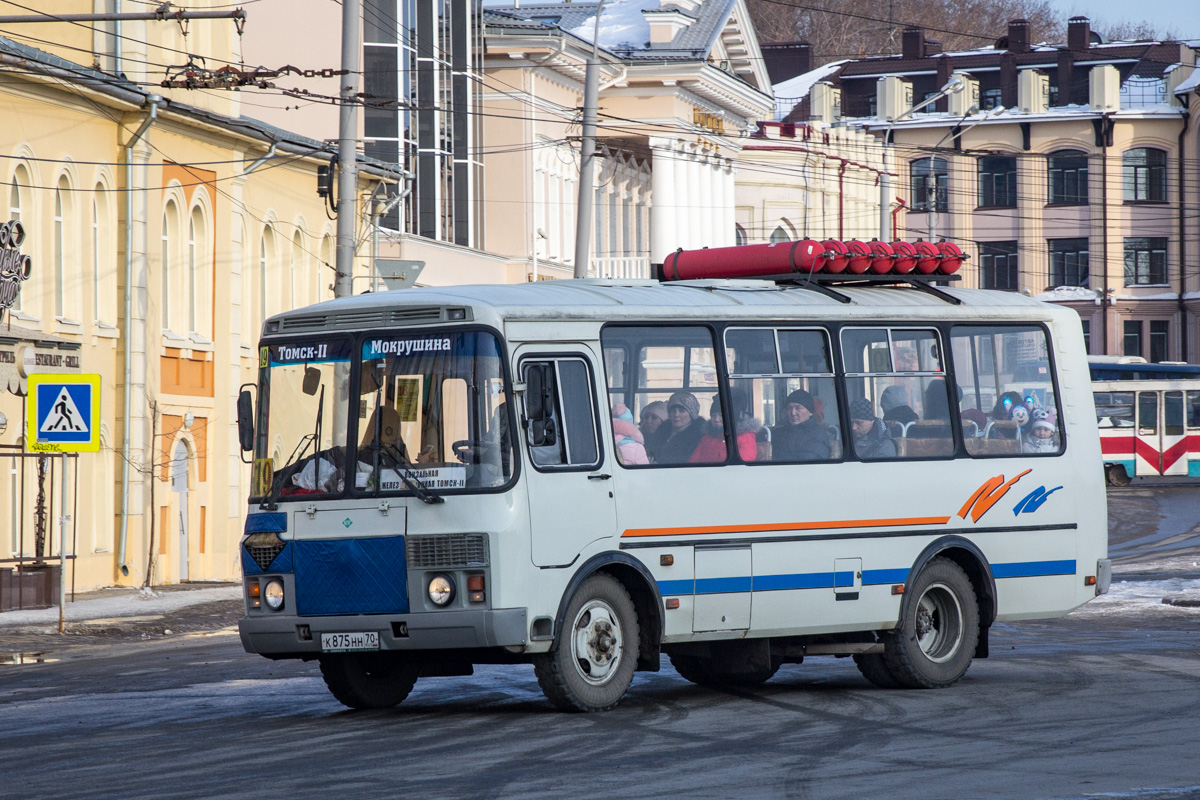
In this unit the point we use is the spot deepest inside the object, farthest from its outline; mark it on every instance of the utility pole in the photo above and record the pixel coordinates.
(587, 154)
(347, 179)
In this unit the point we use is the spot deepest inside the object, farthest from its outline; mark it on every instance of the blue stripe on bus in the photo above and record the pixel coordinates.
(874, 577)
(1033, 569)
(830, 580)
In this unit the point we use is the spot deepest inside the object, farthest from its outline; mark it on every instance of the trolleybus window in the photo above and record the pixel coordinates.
(784, 398)
(432, 407)
(672, 370)
(1008, 402)
(900, 373)
(1115, 409)
(1193, 410)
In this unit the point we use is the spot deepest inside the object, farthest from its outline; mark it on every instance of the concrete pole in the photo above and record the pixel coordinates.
(347, 184)
(587, 154)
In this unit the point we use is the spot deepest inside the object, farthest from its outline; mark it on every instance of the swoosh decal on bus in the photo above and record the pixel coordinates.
(771, 527)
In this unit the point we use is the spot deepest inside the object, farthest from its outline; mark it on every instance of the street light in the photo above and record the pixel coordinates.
(953, 86)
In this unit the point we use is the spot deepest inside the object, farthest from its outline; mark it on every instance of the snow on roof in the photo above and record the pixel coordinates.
(798, 87)
(624, 25)
(1068, 294)
(1192, 82)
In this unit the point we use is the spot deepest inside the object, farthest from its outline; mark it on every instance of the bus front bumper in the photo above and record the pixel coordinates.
(290, 635)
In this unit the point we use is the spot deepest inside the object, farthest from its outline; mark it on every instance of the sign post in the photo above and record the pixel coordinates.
(63, 413)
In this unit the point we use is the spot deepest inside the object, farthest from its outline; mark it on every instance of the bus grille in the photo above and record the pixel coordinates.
(263, 547)
(448, 550)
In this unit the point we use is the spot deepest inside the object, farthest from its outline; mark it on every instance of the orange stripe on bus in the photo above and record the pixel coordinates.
(788, 526)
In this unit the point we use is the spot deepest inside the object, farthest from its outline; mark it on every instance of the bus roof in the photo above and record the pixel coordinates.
(615, 300)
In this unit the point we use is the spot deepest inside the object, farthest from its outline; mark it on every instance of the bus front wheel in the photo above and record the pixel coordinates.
(596, 652)
(369, 680)
(935, 641)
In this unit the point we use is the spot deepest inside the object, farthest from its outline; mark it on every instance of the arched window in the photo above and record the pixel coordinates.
(322, 271)
(96, 255)
(199, 277)
(193, 279)
(170, 267)
(1068, 174)
(1145, 175)
(60, 244)
(783, 233)
(929, 179)
(20, 179)
(266, 252)
(297, 267)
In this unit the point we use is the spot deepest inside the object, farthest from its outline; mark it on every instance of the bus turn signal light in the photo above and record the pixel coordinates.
(253, 589)
(666, 561)
(898, 588)
(1090, 580)
(475, 588)
(672, 602)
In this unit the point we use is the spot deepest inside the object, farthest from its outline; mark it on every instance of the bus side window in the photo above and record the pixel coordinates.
(1004, 375)
(572, 414)
(1193, 410)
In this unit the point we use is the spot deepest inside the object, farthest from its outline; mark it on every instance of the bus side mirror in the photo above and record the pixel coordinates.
(312, 380)
(539, 404)
(245, 420)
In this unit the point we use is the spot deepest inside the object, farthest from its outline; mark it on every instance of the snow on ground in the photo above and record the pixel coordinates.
(1141, 595)
(121, 603)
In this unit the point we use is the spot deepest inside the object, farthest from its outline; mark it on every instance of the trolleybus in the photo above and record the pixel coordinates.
(738, 474)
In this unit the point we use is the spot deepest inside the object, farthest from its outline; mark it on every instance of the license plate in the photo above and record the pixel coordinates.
(349, 642)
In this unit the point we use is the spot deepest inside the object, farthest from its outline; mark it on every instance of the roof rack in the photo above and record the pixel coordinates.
(828, 284)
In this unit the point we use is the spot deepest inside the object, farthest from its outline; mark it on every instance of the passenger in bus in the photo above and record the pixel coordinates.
(711, 449)
(1003, 426)
(870, 435)
(686, 429)
(895, 406)
(627, 438)
(1043, 433)
(800, 437)
(654, 431)
(937, 404)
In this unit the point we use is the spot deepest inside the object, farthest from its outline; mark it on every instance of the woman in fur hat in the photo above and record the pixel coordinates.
(687, 428)
(800, 437)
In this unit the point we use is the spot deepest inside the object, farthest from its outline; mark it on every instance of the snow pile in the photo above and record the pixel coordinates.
(621, 24)
(1127, 596)
(790, 92)
(121, 603)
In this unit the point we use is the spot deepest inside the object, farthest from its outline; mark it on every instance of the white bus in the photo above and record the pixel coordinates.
(535, 473)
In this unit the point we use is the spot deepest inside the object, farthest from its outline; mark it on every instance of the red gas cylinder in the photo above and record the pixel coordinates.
(836, 255)
(952, 258)
(906, 257)
(928, 256)
(860, 256)
(745, 261)
(883, 257)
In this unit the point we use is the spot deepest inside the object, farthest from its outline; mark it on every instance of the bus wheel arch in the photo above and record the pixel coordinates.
(643, 591)
(974, 563)
(1117, 475)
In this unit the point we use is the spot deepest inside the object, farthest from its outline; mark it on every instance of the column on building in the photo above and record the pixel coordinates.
(705, 199)
(663, 233)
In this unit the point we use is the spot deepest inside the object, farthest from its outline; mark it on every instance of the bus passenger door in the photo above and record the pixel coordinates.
(1148, 447)
(570, 486)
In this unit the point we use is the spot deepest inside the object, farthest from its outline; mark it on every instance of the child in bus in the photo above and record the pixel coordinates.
(629, 440)
(1043, 433)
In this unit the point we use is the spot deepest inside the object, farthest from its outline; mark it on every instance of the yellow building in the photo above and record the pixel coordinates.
(162, 226)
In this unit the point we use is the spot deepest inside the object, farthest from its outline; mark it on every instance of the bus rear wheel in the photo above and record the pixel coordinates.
(594, 657)
(875, 669)
(1116, 474)
(935, 641)
(369, 680)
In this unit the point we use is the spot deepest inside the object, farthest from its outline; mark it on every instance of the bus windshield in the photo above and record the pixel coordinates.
(432, 407)
(429, 415)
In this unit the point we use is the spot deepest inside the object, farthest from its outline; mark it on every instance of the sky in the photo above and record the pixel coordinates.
(1181, 17)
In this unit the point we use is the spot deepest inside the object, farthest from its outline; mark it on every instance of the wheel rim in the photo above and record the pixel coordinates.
(596, 642)
(939, 623)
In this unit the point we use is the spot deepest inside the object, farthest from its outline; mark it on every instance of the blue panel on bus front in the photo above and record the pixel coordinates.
(249, 567)
(350, 576)
(1194, 469)
(274, 522)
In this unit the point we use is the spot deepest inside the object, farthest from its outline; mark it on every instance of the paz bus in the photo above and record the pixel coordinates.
(446, 477)
(1148, 416)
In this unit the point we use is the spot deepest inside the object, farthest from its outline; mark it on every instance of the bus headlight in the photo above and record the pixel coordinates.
(441, 589)
(273, 594)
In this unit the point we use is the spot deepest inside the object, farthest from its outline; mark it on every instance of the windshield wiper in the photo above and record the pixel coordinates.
(406, 473)
(270, 502)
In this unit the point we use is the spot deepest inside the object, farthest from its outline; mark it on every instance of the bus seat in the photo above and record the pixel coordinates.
(1003, 429)
(970, 429)
(993, 447)
(925, 448)
(928, 429)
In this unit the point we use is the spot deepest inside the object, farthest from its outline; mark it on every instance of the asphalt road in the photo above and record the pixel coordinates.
(1103, 703)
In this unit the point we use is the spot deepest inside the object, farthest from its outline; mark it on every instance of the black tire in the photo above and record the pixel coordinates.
(369, 680)
(700, 670)
(875, 669)
(595, 654)
(935, 641)
(1116, 475)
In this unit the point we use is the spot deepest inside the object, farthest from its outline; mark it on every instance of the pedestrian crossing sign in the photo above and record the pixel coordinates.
(63, 413)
